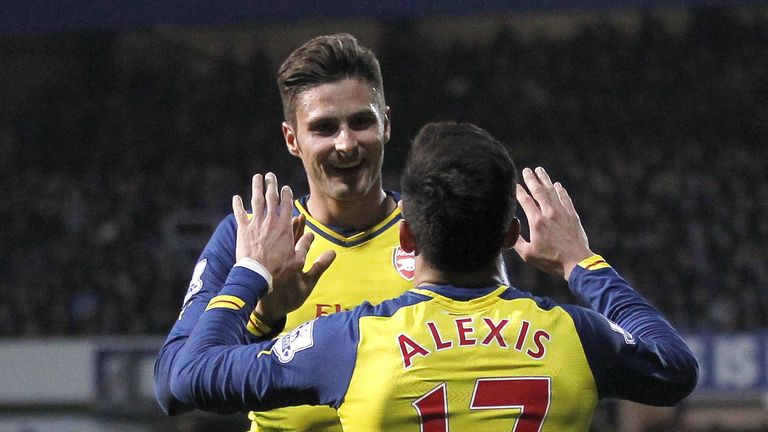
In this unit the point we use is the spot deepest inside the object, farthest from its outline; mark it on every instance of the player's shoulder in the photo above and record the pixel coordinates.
(583, 318)
(580, 315)
(226, 230)
(226, 223)
(541, 302)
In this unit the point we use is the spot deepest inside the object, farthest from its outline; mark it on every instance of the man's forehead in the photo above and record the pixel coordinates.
(337, 99)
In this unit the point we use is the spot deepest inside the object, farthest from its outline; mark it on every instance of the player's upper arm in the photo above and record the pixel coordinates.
(208, 276)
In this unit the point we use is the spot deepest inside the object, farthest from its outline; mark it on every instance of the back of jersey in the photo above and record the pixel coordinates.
(495, 362)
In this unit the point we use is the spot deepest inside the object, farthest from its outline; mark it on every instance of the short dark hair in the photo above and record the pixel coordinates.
(326, 59)
(458, 195)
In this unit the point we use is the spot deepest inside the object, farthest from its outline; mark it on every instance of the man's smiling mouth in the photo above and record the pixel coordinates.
(348, 166)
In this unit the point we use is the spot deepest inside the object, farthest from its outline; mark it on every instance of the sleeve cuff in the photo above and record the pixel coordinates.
(257, 267)
(595, 262)
(259, 329)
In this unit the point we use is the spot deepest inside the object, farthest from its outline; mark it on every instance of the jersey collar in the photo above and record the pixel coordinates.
(339, 235)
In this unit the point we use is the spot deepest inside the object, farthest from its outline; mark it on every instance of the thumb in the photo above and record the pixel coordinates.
(320, 265)
(522, 247)
(302, 247)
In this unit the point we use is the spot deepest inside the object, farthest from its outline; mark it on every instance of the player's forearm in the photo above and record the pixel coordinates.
(607, 293)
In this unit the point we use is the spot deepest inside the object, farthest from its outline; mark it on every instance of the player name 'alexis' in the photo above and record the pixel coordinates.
(469, 333)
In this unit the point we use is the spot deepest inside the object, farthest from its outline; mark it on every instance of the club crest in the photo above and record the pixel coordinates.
(404, 262)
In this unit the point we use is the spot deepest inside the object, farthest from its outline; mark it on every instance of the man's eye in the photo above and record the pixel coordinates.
(362, 122)
(324, 128)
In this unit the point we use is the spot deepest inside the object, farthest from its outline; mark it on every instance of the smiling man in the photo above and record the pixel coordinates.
(337, 123)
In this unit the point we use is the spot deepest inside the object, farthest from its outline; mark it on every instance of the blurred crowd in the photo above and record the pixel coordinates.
(114, 176)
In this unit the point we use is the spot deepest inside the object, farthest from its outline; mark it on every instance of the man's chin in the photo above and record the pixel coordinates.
(346, 193)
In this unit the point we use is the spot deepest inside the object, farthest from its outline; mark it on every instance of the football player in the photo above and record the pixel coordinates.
(337, 123)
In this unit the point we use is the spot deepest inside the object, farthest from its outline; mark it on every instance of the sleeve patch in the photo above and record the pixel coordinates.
(196, 284)
(299, 339)
(628, 338)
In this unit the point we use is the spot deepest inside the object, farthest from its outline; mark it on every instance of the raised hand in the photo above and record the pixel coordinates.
(273, 238)
(293, 290)
(558, 241)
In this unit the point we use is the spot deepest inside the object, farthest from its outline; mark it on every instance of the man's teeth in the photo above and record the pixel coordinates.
(347, 165)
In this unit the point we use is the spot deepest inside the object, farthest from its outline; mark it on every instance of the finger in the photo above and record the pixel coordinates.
(297, 224)
(271, 196)
(546, 183)
(286, 202)
(531, 180)
(257, 196)
(522, 247)
(241, 216)
(321, 264)
(527, 203)
(541, 187)
(302, 246)
(533, 184)
(541, 173)
(565, 198)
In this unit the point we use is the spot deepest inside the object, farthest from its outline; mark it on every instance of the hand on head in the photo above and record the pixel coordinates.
(557, 240)
(274, 239)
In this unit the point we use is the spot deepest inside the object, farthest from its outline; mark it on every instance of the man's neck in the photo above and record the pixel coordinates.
(357, 214)
(428, 275)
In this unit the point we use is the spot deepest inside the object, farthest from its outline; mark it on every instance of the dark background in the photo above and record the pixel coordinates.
(124, 132)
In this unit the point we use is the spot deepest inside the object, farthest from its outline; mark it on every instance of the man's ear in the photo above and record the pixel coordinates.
(290, 139)
(407, 242)
(387, 123)
(512, 234)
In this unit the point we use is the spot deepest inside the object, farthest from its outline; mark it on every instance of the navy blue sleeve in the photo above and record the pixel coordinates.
(209, 275)
(311, 365)
(634, 353)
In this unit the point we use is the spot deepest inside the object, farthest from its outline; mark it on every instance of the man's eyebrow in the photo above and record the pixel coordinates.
(321, 119)
(329, 117)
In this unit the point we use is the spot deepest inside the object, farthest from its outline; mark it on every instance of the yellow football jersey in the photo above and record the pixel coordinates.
(486, 361)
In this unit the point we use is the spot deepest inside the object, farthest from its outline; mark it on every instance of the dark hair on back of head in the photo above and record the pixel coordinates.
(326, 59)
(458, 193)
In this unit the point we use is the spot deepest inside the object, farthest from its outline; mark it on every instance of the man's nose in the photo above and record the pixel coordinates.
(346, 140)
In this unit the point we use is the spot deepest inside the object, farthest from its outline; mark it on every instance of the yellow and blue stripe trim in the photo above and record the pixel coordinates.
(226, 302)
(256, 326)
(355, 239)
(595, 262)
